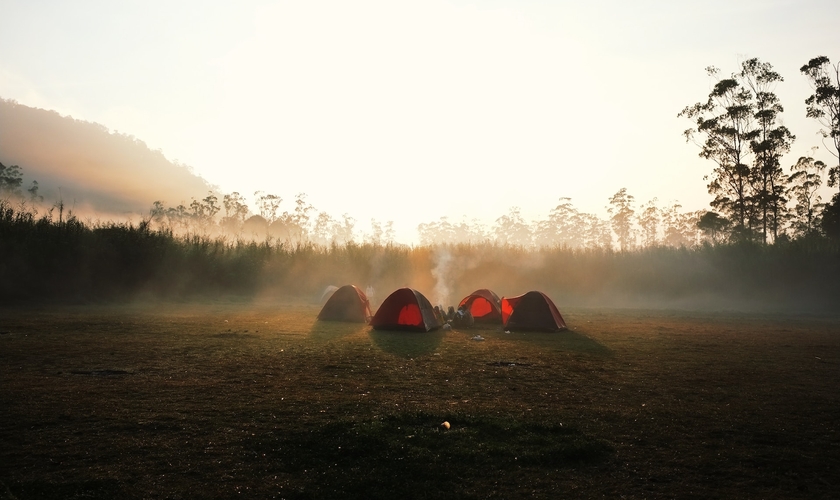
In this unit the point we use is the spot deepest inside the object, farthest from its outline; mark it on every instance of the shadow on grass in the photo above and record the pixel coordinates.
(334, 330)
(567, 340)
(403, 454)
(407, 344)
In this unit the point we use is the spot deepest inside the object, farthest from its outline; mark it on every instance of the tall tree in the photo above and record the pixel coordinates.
(824, 106)
(648, 221)
(621, 218)
(770, 142)
(268, 204)
(805, 181)
(511, 229)
(726, 122)
(562, 228)
(235, 212)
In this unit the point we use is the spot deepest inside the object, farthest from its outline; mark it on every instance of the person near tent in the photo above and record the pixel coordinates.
(463, 318)
(371, 293)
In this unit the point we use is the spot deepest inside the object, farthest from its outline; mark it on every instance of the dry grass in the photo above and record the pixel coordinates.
(225, 400)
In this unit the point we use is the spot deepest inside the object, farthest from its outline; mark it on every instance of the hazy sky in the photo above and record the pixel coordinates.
(410, 111)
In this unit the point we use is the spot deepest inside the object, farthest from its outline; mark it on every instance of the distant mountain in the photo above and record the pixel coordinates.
(93, 170)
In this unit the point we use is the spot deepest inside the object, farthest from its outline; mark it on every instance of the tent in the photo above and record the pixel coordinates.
(531, 311)
(406, 309)
(348, 303)
(484, 305)
(328, 291)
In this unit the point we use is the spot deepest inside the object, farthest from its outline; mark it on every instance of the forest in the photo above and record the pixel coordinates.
(769, 240)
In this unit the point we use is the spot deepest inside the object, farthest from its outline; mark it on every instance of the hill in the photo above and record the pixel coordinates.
(89, 167)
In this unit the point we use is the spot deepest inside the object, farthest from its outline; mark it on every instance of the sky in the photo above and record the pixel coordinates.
(409, 111)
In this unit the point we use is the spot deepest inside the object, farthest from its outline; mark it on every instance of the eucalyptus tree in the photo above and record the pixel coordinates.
(768, 142)
(562, 228)
(726, 124)
(805, 182)
(621, 215)
(511, 229)
(343, 230)
(294, 226)
(268, 205)
(595, 231)
(204, 211)
(235, 212)
(648, 220)
(824, 106)
(680, 228)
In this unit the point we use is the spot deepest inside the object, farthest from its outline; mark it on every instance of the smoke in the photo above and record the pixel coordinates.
(442, 270)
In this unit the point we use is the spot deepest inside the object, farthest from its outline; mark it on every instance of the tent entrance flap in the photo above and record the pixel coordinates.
(410, 315)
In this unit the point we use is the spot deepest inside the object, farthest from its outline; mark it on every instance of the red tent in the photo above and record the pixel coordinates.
(406, 309)
(484, 305)
(348, 303)
(531, 311)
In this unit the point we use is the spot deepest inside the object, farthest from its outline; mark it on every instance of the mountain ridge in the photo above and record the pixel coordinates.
(100, 171)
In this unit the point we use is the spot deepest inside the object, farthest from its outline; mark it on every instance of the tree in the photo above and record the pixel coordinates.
(204, 211)
(679, 228)
(343, 230)
(648, 221)
(805, 181)
(11, 179)
(621, 218)
(768, 143)
(235, 211)
(563, 227)
(726, 121)
(268, 204)
(511, 229)
(713, 226)
(376, 232)
(824, 106)
(321, 228)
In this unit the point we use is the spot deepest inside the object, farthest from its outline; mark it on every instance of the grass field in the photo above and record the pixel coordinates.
(233, 400)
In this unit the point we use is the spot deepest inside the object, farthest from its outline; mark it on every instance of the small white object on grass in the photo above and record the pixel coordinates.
(478, 337)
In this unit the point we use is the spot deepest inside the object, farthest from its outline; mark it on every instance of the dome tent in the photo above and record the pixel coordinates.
(406, 309)
(348, 303)
(484, 305)
(531, 311)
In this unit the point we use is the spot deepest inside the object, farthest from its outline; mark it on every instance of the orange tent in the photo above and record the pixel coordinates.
(531, 311)
(406, 309)
(484, 305)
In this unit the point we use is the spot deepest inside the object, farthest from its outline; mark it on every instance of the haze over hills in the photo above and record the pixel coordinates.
(94, 170)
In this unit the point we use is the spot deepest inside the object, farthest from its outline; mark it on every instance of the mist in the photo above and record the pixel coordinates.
(94, 171)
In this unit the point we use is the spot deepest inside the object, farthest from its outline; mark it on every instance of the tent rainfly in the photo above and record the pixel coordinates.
(406, 309)
(484, 305)
(531, 311)
(348, 303)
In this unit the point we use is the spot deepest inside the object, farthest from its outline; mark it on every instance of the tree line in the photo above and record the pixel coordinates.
(738, 127)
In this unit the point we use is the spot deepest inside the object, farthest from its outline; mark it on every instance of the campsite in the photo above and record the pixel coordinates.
(263, 400)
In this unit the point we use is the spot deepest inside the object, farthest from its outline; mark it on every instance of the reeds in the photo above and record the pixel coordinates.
(42, 259)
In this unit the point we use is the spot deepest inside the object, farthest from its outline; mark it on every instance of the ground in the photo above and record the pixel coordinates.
(223, 400)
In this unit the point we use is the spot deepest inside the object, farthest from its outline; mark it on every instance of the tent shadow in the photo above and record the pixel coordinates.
(566, 340)
(325, 331)
(407, 344)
